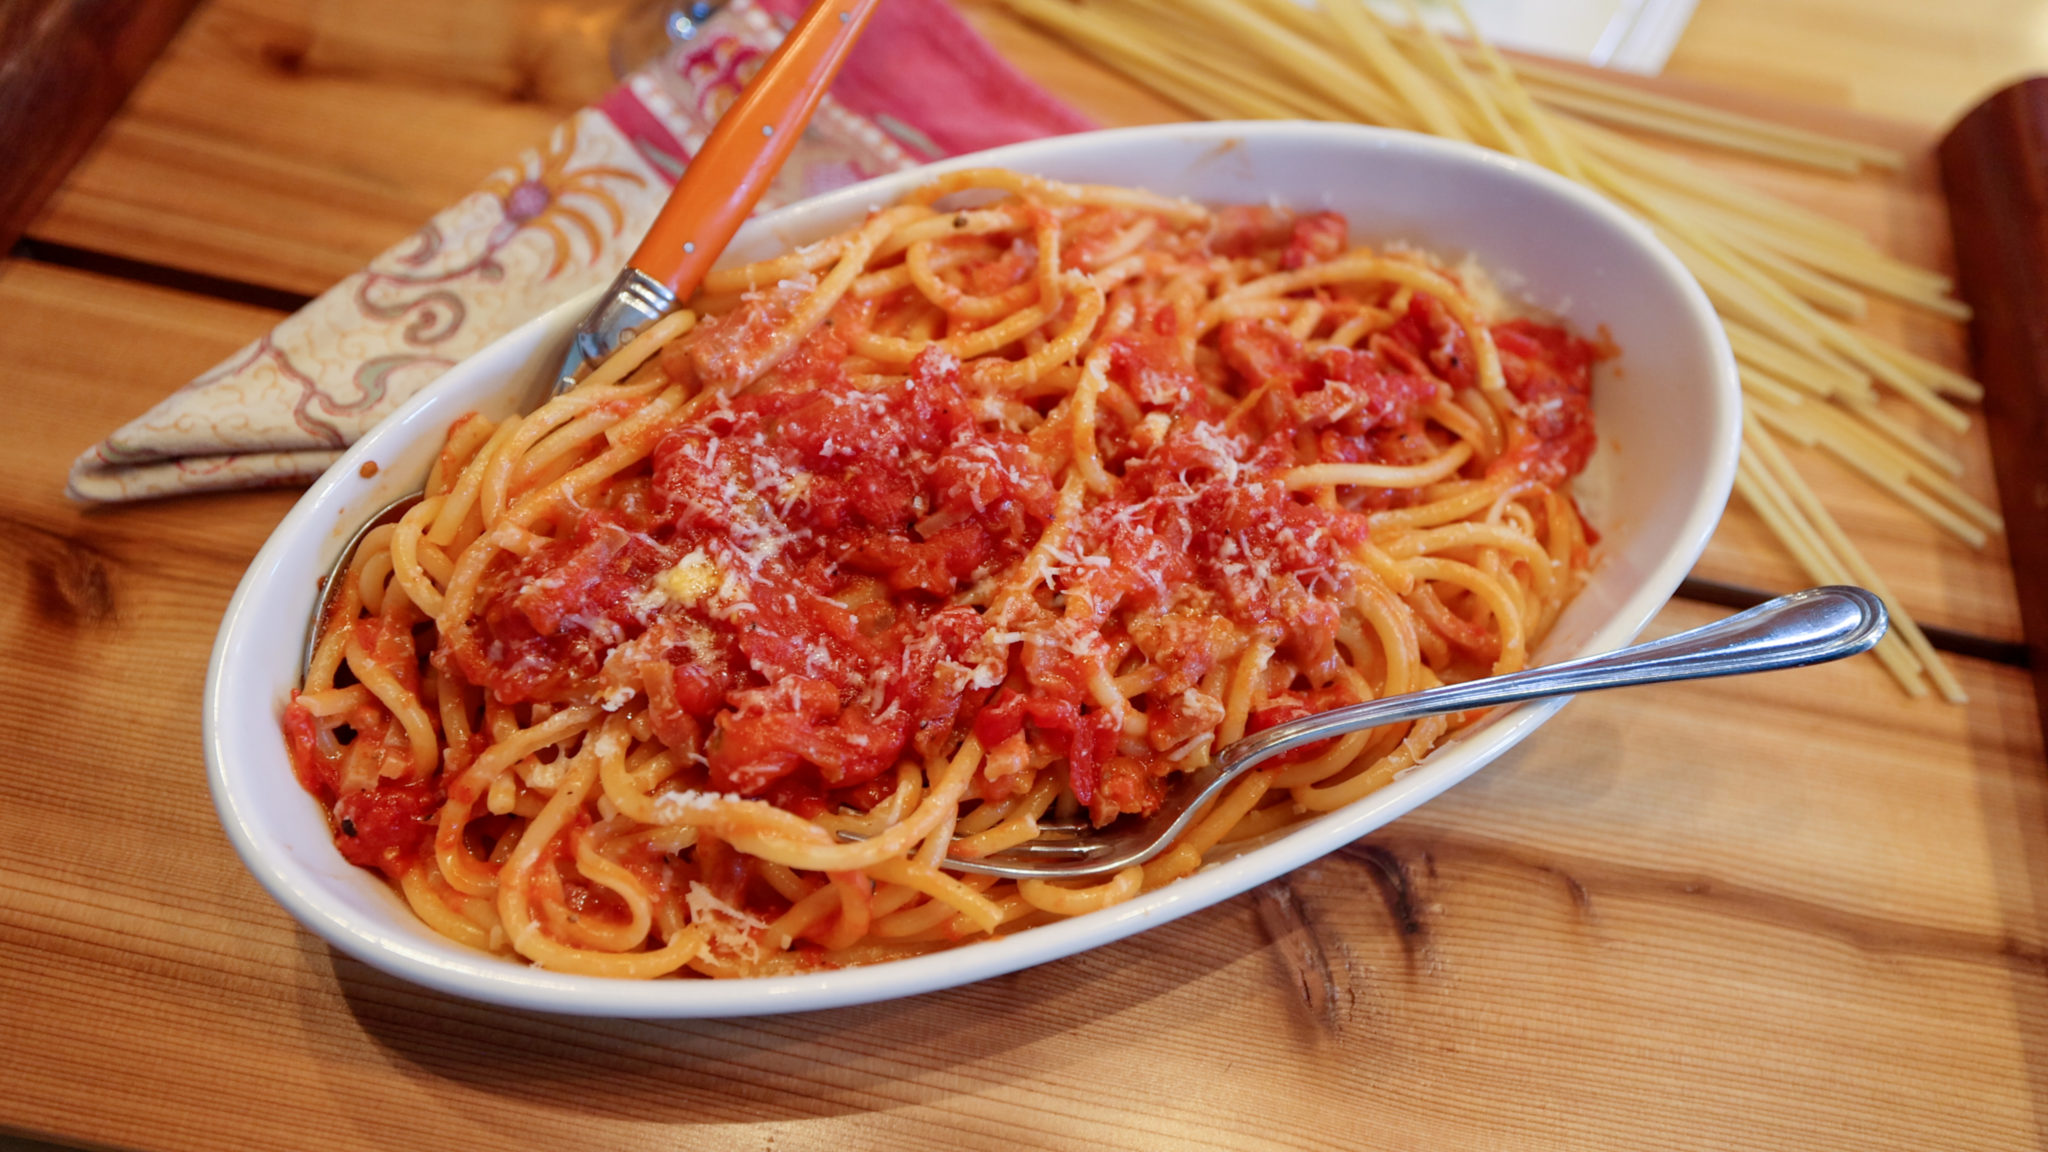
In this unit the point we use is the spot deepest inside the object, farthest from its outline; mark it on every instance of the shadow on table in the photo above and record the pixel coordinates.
(2014, 791)
(901, 1053)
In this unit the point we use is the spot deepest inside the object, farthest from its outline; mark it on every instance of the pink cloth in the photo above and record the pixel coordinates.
(559, 220)
(954, 90)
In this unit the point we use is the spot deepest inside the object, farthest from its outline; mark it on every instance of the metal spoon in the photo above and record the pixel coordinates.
(1803, 628)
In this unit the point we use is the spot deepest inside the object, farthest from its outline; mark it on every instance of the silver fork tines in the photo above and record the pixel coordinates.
(1808, 627)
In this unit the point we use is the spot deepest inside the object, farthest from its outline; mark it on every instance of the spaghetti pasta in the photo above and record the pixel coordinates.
(908, 539)
(1784, 279)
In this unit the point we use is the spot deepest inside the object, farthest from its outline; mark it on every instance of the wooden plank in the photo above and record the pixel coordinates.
(1994, 163)
(285, 142)
(109, 344)
(1906, 60)
(65, 66)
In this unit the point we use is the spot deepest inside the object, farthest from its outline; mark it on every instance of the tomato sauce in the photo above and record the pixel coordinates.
(800, 582)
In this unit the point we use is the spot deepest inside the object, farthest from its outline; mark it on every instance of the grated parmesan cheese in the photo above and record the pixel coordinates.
(730, 930)
(691, 579)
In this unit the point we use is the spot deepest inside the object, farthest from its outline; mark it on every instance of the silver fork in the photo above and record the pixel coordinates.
(1809, 627)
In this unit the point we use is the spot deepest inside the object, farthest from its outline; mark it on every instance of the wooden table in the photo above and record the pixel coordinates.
(1797, 911)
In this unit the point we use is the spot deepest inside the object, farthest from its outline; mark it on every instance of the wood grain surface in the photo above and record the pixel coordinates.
(1994, 166)
(65, 66)
(1791, 912)
(1786, 912)
(354, 147)
(285, 142)
(1915, 61)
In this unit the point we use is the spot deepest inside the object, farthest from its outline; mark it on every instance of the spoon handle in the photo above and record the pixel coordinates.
(1804, 628)
(1809, 627)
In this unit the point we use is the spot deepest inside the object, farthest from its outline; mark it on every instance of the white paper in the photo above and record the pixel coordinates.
(1630, 35)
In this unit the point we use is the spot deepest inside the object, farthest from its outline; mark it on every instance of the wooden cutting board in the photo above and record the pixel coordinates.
(1993, 167)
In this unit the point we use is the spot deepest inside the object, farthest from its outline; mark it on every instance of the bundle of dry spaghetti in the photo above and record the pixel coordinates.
(1788, 283)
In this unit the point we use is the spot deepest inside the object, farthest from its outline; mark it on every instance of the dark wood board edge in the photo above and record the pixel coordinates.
(66, 66)
(1994, 169)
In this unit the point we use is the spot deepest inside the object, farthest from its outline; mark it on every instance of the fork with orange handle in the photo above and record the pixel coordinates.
(722, 183)
(717, 192)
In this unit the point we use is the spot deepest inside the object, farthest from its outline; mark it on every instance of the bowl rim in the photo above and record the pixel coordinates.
(492, 979)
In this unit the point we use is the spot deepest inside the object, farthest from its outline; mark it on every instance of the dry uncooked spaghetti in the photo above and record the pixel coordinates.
(1789, 284)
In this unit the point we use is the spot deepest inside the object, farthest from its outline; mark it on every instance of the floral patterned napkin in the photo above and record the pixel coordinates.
(559, 220)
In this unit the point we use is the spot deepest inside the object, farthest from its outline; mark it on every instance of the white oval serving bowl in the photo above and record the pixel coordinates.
(1668, 419)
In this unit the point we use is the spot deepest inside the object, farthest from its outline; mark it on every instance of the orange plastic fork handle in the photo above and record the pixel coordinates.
(726, 178)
